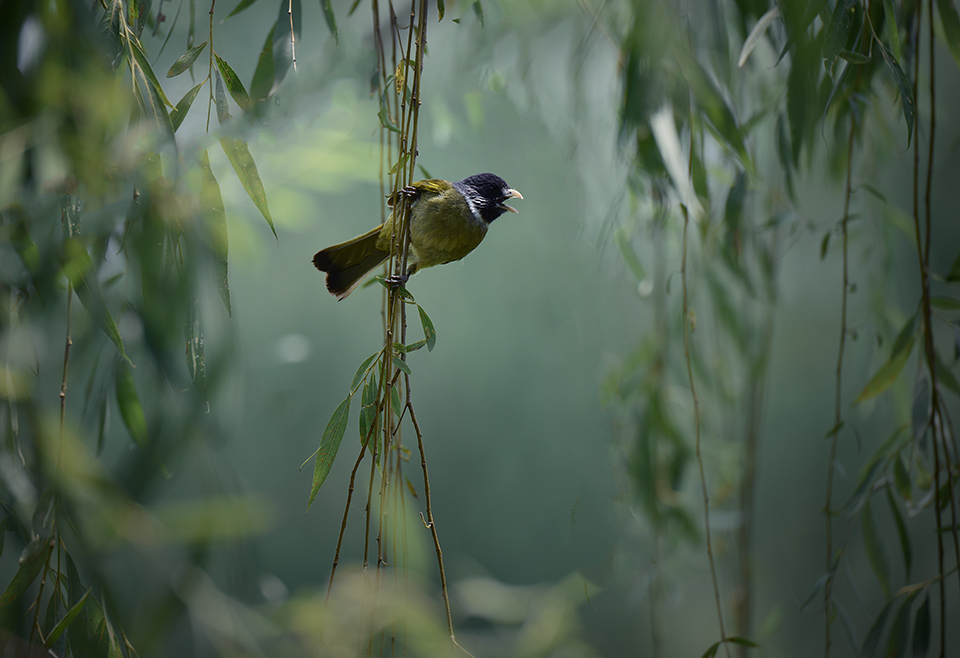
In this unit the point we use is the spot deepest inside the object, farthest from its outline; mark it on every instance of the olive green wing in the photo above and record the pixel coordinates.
(430, 187)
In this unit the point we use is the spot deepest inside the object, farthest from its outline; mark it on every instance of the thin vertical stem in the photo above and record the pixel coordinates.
(696, 424)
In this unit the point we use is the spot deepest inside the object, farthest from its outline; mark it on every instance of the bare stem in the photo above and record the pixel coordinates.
(696, 425)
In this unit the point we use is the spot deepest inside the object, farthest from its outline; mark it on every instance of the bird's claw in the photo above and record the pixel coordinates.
(396, 280)
(409, 191)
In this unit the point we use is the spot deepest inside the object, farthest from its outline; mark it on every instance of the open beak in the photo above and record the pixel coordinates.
(511, 194)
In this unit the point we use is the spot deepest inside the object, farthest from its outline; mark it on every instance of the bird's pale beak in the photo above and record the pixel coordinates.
(512, 194)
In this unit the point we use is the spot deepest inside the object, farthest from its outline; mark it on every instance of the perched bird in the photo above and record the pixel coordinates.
(447, 222)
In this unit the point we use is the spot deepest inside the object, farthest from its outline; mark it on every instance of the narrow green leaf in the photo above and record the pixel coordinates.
(220, 98)
(238, 153)
(854, 58)
(401, 365)
(951, 26)
(946, 377)
(395, 400)
(838, 32)
(900, 630)
(429, 332)
(79, 270)
(891, 29)
(711, 651)
(903, 86)
(186, 60)
(720, 117)
(756, 34)
(920, 408)
(825, 244)
(875, 550)
(368, 406)
(129, 402)
(901, 532)
(194, 354)
(243, 4)
(440, 10)
(211, 205)
(796, 31)
(943, 303)
(478, 10)
(954, 274)
(362, 370)
(907, 334)
(848, 625)
(31, 562)
(887, 374)
(261, 87)
(901, 479)
(233, 83)
(330, 19)
(141, 59)
(870, 643)
(329, 445)
(180, 111)
(815, 594)
(921, 628)
(413, 347)
(68, 618)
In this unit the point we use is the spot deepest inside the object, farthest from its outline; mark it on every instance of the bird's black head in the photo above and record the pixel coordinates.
(486, 194)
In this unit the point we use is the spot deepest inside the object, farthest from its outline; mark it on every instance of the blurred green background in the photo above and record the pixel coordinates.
(528, 424)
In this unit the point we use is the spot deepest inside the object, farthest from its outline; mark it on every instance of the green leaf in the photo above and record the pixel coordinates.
(946, 377)
(368, 407)
(238, 153)
(954, 274)
(395, 400)
(186, 60)
(220, 98)
(868, 650)
(838, 33)
(413, 347)
(796, 31)
(901, 531)
(900, 630)
(233, 83)
(825, 244)
(194, 354)
(756, 34)
(211, 205)
(478, 10)
(429, 332)
(943, 303)
(261, 87)
(129, 402)
(78, 267)
(330, 19)
(854, 58)
(362, 370)
(901, 479)
(891, 29)
(68, 618)
(440, 10)
(243, 4)
(906, 92)
(329, 445)
(920, 407)
(401, 365)
(180, 111)
(144, 64)
(951, 26)
(921, 628)
(33, 558)
(907, 334)
(887, 374)
(875, 550)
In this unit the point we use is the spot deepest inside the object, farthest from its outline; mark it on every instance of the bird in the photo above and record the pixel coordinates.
(448, 220)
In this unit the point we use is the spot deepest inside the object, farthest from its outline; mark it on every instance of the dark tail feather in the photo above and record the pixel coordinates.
(346, 264)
